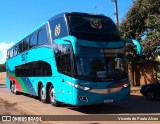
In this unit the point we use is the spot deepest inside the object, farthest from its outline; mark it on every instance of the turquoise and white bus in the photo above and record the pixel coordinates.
(73, 58)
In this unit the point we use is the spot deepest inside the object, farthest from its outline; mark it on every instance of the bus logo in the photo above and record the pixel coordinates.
(95, 23)
(57, 30)
(24, 57)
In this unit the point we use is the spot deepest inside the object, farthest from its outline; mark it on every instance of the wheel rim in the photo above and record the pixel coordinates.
(43, 95)
(12, 88)
(15, 90)
(52, 95)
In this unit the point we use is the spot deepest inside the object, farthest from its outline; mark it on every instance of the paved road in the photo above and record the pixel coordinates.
(137, 104)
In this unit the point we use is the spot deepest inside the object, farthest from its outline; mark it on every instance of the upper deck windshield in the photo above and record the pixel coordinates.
(101, 64)
(93, 28)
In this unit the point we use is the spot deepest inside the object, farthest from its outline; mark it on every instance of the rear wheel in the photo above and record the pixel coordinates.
(43, 97)
(150, 96)
(52, 97)
(14, 89)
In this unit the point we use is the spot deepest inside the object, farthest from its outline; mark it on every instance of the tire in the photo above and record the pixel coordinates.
(52, 97)
(14, 89)
(150, 96)
(42, 94)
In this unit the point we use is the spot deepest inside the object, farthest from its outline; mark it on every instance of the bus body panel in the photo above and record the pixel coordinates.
(29, 84)
(93, 98)
(100, 97)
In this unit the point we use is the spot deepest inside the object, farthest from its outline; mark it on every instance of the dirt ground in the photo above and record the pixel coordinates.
(9, 108)
(12, 109)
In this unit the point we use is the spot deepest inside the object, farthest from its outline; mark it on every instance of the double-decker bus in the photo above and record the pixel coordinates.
(73, 58)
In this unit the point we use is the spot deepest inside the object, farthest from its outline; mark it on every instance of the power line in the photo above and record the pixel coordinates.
(97, 7)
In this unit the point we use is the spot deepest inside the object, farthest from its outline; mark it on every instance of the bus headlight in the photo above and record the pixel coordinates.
(78, 86)
(82, 88)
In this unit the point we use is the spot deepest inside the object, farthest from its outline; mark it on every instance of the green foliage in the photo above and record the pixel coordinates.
(3, 67)
(142, 22)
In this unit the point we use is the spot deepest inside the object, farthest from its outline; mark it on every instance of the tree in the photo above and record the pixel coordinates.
(142, 22)
(3, 67)
(139, 21)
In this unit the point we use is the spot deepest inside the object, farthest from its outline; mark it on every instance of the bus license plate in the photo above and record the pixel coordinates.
(108, 100)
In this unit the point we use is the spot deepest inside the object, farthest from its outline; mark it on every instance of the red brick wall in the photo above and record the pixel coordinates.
(144, 73)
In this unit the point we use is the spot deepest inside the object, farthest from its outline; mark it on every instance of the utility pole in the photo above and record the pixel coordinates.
(116, 12)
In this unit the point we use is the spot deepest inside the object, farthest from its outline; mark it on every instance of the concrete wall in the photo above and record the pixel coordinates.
(2, 77)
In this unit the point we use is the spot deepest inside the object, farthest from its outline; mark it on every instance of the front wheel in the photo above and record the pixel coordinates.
(52, 97)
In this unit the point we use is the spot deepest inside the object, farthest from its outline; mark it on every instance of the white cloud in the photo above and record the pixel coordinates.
(3, 51)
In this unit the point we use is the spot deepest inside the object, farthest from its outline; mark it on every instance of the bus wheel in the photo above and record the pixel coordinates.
(52, 97)
(42, 94)
(14, 89)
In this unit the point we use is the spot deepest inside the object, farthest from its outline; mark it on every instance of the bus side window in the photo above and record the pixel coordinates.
(33, 41)
(8, 54)
(42, 36)
(11, 53)
(65, 66)
(25, 44)
(15, 50)
(20, 47)
(34, 69)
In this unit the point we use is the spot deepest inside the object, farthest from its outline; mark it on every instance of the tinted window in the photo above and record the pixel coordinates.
(15, 50)
(91, 27)
(63, 59)
(20, 47)
(42, 36)
(11, 53)
(58, 28)
(64, 64)
(33, 41)
(25, 44)
(8, 54)
(33, 69)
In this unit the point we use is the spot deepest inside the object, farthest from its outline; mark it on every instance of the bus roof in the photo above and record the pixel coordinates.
(74, 13)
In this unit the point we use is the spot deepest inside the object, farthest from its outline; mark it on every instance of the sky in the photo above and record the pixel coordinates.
(20, 17)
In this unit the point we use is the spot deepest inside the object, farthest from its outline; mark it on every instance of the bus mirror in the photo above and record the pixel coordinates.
(62, 41)
(136, 43)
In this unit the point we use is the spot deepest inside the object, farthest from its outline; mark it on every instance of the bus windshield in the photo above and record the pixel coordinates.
(91, 27)
(99, 64)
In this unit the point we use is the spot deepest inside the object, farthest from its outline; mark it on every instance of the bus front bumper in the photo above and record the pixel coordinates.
(100, 96)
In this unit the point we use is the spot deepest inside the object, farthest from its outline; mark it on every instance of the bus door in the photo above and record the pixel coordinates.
(63, 60)
(66, 77)
(67, 89)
